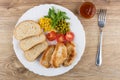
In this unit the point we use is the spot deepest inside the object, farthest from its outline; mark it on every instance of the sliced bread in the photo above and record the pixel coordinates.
(46, 56)
(59, 55)
(28, 43)
(34, 52)
(26, 29)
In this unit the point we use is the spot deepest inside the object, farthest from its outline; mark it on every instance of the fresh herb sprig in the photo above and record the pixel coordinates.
(56, 16)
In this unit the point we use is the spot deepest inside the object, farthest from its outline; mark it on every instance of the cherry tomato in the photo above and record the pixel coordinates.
(60, 38)
(69, 36)
(51, 36)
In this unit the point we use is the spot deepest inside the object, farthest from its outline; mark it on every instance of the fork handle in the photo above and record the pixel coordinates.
(99, 52)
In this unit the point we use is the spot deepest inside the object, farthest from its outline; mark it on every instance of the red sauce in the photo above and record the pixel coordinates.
(87, 10)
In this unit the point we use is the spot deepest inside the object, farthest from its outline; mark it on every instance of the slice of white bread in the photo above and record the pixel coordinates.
(26, 29)
(59, 55)
(71, 54)
(34, 52)
(46, 56)
(28, 43)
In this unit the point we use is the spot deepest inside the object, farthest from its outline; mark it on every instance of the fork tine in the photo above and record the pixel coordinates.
(105, 10)
(99, 15)
(103, 15)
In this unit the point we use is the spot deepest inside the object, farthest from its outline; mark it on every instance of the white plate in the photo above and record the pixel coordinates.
(34, 14)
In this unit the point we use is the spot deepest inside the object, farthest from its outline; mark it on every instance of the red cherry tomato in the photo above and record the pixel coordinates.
(60, 38)
(51, 36)
(69, 36)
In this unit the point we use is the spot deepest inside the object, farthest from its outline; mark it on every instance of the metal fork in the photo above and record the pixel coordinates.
(101, 23)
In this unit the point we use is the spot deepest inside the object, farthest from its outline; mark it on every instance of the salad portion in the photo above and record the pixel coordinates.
(56, 26)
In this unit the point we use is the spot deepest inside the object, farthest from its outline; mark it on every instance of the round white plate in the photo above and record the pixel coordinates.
(34, 14)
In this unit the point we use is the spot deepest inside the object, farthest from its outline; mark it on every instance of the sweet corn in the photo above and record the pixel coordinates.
(45, 24)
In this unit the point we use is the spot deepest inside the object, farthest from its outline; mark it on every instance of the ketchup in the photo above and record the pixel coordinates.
(87, 10)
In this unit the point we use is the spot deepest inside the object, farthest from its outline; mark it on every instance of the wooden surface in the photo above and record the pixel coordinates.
(12, 69)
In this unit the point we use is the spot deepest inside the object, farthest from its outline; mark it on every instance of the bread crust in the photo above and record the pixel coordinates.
(30, 42)
(22, 31)
(34, 52)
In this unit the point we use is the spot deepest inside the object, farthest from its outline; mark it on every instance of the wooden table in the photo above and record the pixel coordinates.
(12, 69)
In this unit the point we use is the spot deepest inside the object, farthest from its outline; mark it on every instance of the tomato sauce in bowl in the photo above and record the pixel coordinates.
(87, 10)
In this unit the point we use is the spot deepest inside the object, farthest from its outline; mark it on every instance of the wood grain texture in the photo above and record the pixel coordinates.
(12, 69)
